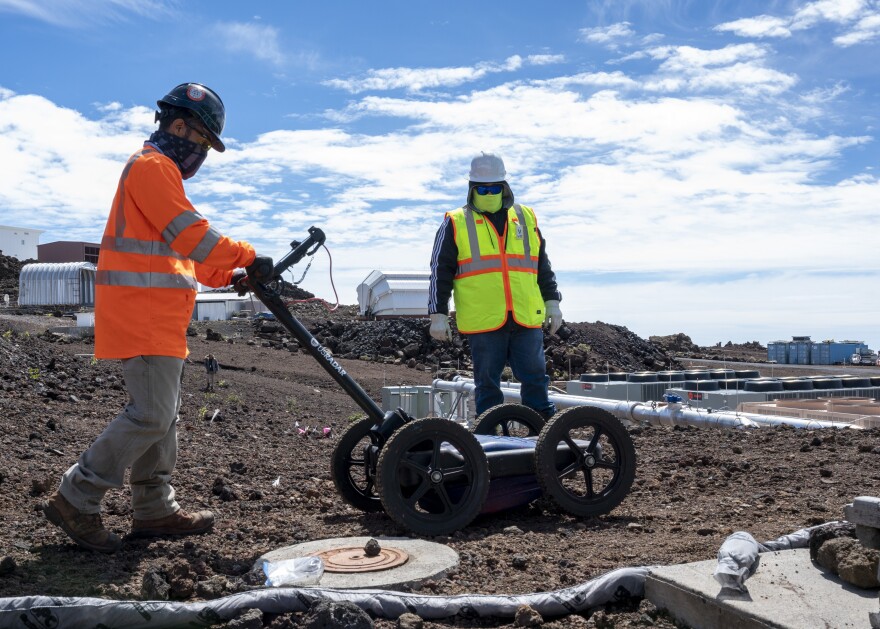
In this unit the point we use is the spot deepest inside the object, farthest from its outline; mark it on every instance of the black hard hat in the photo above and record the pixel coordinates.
(204, 103)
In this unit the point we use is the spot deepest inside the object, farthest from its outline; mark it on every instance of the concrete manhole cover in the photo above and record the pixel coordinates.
(397, 561)
(353, 559)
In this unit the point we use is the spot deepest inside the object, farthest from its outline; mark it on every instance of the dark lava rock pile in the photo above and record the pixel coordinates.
(10, 268)
(579, 347)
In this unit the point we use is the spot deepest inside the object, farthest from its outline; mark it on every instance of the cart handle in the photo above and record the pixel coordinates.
(299, 250)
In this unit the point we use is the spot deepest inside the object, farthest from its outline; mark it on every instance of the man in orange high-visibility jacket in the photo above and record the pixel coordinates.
(490, 256)
(155, 249)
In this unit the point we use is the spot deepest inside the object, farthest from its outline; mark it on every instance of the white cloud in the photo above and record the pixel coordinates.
(687, 58)
(861, 18)
(834, 11)
(608, 36)
(735, 70)
(412, 79)
(419, 79)
(543, 60)
(58, 167)
(826, 95)
(89, 12)
(865, 30)
(598, 79)
(258, 40)
(760, 26)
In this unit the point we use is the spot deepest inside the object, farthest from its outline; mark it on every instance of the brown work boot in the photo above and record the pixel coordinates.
(178, 523)
(86, 529)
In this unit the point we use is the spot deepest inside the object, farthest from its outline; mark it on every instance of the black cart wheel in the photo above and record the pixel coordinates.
(353, 467)
(432, 476)
(585, 460)
(509, 420)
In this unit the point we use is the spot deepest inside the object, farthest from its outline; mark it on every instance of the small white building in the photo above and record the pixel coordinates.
(211, 306)
(57, 284)
(394, 294)
(20, 242)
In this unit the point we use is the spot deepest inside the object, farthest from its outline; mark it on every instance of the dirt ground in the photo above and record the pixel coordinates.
(242, 456)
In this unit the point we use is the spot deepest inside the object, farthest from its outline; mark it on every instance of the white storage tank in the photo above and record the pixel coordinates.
(394, 294)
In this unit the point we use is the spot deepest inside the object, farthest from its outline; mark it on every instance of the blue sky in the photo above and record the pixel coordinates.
(696, 166)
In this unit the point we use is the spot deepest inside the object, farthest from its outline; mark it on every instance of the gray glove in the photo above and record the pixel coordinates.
(239, 282)
(440, 329)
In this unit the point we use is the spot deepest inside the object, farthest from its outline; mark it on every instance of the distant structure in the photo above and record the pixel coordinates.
(19, 242)
(388, 295)
(69, 251)
(57, 284)
(800, 350)
(215, 306)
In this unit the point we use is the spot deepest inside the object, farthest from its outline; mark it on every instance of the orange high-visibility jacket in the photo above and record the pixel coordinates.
(154, 250)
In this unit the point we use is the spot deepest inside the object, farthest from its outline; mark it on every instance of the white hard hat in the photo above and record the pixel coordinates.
(487, 168)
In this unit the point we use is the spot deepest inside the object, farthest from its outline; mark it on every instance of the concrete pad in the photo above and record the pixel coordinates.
(787, 592)
(427, 560)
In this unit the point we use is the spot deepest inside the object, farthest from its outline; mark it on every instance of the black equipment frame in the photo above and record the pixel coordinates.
(270, 294)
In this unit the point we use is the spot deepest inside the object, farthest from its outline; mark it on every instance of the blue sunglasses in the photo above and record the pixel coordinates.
(493, 189)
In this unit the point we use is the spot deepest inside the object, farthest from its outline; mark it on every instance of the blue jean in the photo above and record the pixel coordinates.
(523, 349)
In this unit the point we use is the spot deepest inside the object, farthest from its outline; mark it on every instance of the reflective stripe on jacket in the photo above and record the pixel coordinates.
(497, 273)
(155, 250)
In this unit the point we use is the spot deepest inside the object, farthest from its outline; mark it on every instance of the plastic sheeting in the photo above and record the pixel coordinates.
(38, 612)
(68, 613)
(738, 560)
(739, 555)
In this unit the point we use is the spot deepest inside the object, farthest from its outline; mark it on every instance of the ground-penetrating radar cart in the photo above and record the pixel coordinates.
(433, 476)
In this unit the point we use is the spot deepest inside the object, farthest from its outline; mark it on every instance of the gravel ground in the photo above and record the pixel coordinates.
(242, 456)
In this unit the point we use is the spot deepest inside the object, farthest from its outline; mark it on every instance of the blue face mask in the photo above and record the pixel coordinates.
(188, 155)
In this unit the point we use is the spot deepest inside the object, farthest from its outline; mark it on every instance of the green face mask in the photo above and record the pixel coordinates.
(490, 203)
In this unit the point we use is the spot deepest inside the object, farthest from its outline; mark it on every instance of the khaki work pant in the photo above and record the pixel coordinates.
(142, 437)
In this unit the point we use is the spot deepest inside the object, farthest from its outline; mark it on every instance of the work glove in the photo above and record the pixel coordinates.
(552, 316)
(239, 282)
(261, 269)
(440, 329)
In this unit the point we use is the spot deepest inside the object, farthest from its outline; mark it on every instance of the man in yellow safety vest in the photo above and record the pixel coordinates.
(490, 256)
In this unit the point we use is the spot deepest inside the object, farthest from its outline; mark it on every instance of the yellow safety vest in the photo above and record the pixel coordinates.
(489, 281)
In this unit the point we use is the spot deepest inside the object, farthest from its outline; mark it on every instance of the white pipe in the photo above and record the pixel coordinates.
(659, 413)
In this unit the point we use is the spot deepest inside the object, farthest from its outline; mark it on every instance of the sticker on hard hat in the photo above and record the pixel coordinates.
(194, 92)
